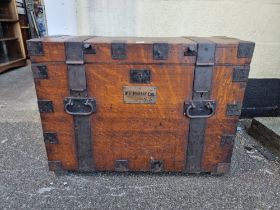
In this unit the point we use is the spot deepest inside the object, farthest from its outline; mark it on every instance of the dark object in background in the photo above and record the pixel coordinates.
(23, 22)
(140, 104)
(262, 98)
(12, 52)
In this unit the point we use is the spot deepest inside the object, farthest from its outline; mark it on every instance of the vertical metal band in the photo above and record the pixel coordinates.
(78, 88)
(74, 50)
(195, 145)
(201, 91)
(82, 128)
(82, 124)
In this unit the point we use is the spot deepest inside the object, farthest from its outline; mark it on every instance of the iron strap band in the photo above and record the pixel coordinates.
(201, 91)
(74, 48)
(78, 88)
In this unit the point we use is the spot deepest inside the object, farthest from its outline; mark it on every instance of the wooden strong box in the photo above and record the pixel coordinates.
(140, 104)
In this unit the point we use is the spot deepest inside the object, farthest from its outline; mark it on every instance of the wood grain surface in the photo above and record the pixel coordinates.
(56, 89)
(140, 50)
(224, 91)
(53, 48)
(139, 133)
(226, 51)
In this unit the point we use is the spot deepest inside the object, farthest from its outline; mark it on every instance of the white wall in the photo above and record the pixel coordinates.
(255, 20)
(61, 17)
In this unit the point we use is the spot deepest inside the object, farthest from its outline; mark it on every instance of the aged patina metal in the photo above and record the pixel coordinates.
(56, 166)
(45, 106)
(77, 80)
(35, 48)
(200, 108)
(89, 49)
(245, 49)
(121, 165)
(50, 138)
(227, 139)
(202, 82)
(205, 51)
(190, 51)
(234, 109)
(79, 105)
(160, 51)
(157, 165)
(240, 74)
(140, 76)
(195, 145)
(74, 50)
(118, 50)
(39, 71)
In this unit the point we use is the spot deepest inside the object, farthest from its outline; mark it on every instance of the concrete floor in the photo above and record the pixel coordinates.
(26, 183)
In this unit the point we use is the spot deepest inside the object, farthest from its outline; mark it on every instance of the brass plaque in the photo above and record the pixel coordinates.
(139, 94)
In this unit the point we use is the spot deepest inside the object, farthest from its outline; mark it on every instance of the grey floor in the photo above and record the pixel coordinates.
(26, 183)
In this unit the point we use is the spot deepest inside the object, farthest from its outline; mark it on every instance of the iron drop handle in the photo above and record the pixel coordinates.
(79, 106)
(206, 105)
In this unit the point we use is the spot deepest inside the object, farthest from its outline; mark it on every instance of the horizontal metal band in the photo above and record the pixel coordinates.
(74, 50)
(50, 138)
(35, 48)
(39, 71)
(45, 106)
(121, 165)
(227, 139)
(206, 50)
(157, 165)
(234, 109)
(245, 49)
(240, 74)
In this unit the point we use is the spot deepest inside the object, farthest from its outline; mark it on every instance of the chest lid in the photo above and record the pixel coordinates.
(137, 50)
(140, 50)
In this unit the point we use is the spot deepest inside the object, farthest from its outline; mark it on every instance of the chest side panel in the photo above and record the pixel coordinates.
(57, 125)
(139, 133)
(221, 128)
(232, 51)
